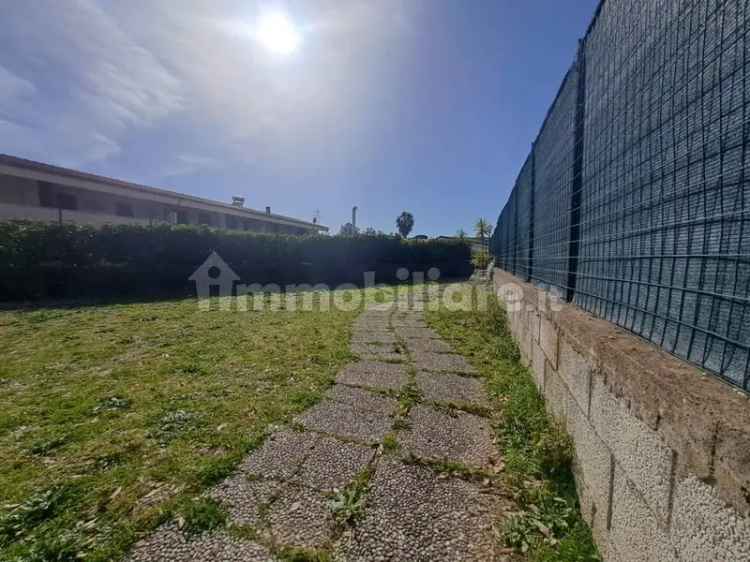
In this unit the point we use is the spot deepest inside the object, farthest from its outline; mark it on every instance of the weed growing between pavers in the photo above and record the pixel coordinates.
(134, 409)
(537, 453)
(347, 505)
(390, 443)
(200, 515)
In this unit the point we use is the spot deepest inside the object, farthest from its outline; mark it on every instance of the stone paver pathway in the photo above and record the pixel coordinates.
(432, 497)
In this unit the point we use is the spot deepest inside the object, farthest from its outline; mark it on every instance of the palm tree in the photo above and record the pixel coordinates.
(483, 230)
(405, 222)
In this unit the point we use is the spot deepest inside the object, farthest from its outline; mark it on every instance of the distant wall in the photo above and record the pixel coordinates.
(662, 451)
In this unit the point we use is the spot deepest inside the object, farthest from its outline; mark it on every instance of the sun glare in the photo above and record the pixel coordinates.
(277, 33)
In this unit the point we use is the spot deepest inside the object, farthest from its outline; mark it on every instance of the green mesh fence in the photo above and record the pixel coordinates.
(640, 206)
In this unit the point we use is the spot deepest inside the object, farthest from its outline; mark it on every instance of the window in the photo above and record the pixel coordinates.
(67, 201)
(46, 194)
(124, 210)
(182, 217)
(231, 221)
(204, 218)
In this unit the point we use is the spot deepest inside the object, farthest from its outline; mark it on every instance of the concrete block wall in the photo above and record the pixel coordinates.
(662, 450)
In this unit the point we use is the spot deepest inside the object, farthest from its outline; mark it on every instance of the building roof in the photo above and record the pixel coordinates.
(33, 166)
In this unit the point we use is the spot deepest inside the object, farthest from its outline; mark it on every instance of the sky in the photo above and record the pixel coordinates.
(428, 106)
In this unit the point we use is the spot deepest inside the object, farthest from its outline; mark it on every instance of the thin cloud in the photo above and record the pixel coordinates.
(90, 83)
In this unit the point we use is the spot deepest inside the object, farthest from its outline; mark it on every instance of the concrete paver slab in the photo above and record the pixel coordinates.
(452, 389)
(414, 515)
(452, 363)
(373, 374)
(169, 544)
(280, 455)
(300, 518)
(346, 421)
(461, 437)
(425, 345)
(245, 499)
(333, 464)
(362, 399)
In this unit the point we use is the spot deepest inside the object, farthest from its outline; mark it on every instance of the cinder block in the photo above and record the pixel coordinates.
(549, 340)
(538, 366)
(518, 324)
(638, 449)
(593, 464)
(635, 533)
(732, 467)
(704, 529)
(524, 344)
(534, 322)
(594, 517)
(556, 395)
(576, 370)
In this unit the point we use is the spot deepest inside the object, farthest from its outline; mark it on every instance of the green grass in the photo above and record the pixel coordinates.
(113, 418)
(537, 452)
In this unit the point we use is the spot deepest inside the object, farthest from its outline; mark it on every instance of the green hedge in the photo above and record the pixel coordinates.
(66, 261)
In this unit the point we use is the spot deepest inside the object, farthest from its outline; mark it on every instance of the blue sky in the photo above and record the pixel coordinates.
(421, 105)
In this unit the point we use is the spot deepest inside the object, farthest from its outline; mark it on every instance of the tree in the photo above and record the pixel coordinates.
(461, 234)
(348, 229)
(483, 230)
(405, 222)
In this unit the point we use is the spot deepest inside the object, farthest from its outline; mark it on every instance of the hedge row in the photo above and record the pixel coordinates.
(67, 261)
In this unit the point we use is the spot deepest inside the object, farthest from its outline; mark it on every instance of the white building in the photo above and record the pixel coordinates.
(34, 191)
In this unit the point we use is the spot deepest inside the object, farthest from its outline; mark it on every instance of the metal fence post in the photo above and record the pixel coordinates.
(577, 187)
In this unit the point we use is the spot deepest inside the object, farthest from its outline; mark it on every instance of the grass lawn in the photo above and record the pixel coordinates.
(113, 417)
(538, 454)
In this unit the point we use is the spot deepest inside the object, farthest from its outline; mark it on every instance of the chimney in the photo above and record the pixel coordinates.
(238, 201)
(268, 210)
(354, 216)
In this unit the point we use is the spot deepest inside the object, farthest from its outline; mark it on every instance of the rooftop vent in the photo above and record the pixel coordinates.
(268, 210)
(238, 201)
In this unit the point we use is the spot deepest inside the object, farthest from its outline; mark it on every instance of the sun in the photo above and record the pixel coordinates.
(277, 33)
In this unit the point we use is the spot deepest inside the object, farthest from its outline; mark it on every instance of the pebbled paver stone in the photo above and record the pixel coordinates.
(425, 345)
(333, 464)
(300, 518)
(414, 515)
(452, 389)
(362, 399)
(373, 374)
(427, 361)
(372, 327)
(417, 324)
(460, 437)
(346, 421)
(372, 352)
(417, 333)
(377, 338)
(169, 544)
(377, 347)
(280, 456)
(245, 499)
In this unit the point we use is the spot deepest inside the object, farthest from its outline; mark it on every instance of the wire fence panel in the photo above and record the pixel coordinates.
(554, 153)
(657, 236)
(524, 201)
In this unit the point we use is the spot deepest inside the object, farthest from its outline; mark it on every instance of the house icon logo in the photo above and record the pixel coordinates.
(214, 272)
